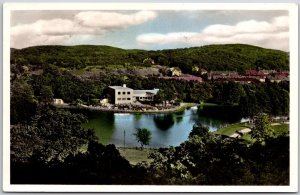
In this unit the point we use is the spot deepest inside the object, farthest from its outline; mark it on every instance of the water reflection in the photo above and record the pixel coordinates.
(137, 116)
(164, 121)
(224, 113)
(103, 123)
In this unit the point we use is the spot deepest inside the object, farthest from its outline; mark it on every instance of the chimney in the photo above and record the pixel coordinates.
(124, 85)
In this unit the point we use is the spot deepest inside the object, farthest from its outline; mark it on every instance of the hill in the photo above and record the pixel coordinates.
(212, 57)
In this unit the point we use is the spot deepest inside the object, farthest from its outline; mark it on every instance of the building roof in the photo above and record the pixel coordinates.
(140, 92)
(254, 73)
(120, 87)
(187, 78)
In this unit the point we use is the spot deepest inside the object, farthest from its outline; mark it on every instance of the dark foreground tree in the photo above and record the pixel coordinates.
(53, 134)
(99, 164)
(143, 136)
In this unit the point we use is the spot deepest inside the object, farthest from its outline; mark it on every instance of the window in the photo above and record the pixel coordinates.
(128, 92)
(119, 98)
(123, 98)
(119, 93)
(124, 93)
(128, 98)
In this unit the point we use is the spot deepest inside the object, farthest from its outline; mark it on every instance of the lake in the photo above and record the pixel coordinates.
(168, 129)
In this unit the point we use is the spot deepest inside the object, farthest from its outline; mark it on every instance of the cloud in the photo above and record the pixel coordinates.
(273, 34)
(109, 20)
(59, 30)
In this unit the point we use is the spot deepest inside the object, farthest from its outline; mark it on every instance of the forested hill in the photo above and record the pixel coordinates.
(212, 57)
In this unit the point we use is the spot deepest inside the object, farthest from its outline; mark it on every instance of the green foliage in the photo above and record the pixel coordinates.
(22, 101)
(46, 94)
(262, 128)
(228, 93)
(236, 57)
(210, 159)
(98, 165)
(143, 136)
(270, 98)
(53, 134)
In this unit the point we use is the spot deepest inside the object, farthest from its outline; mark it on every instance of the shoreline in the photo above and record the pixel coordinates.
(176, 109)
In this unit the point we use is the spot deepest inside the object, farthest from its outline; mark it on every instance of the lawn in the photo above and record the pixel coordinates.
(208, 104)
(185, 106)
(281, 129)
(136, 155)
(230, 129)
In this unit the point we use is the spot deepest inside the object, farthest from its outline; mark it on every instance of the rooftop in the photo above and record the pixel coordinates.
(120, 87)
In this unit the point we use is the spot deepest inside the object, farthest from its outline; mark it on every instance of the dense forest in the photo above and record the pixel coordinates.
(237, 57)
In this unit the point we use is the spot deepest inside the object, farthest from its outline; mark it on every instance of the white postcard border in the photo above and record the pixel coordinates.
(293, 13)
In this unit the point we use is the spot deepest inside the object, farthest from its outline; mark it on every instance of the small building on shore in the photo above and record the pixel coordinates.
(58, 101)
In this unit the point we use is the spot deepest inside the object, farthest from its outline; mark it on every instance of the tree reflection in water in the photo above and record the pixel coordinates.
(164, 122)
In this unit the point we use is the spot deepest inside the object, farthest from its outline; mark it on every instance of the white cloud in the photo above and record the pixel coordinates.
(154, 38)
(273, 34)
(108, 20)
(59, 31)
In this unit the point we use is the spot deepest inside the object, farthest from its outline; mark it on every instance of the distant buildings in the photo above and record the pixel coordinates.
(250, 76)
(185, 78)
(126, 95)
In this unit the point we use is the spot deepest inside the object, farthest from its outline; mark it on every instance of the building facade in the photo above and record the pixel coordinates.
(121, 94)
(144, 95)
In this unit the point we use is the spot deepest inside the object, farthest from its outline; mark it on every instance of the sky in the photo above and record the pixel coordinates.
(150, 29)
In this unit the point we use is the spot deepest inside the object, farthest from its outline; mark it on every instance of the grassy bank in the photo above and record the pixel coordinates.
(136, 155)
(281, 129)
(208, 104)
(184, 106)
(230, 129)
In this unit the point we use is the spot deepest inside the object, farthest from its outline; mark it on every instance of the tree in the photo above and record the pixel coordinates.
(46, 94)
(53, 134)
(200, 130)
(143, 136)
(262, 128)
(23, 102)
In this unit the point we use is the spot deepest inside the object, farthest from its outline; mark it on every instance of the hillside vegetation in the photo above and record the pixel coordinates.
(212, 57)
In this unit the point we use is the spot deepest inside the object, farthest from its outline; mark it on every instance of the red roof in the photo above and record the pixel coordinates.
(254, 73)
(281, 74)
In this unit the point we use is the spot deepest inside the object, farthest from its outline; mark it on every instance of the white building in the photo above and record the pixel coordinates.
(120, 94)
(144, 95)
(126, 95)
